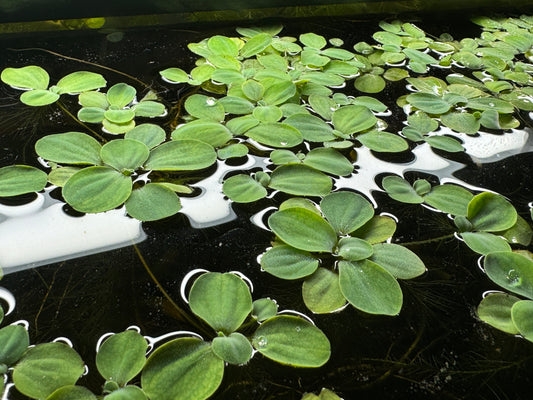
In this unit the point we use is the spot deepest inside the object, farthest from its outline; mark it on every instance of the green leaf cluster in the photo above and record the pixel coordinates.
(338, 249)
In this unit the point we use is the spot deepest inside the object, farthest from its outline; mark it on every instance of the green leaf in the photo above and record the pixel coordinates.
(222, 45)
(461, 122)
(222, 300)
(97, 189)
(255, 45)
(253, 90)
(175, 75)
(120, 95)
(428, 102)
(323, 78)
(69, 148)
(115, 128)
(378, 229)
(21, 179)
(422, 122)
(491, 103)
(449, 199)
(46, 368)
(353, 249)
(484, 242)
(263, 309)
(275, 134)
(236, 105)
(444, 143)
(201, 74)
(303, 229)
(381, 141)
(149, 109)
(313, 40)
(184, 368)
(204, 107)
(227, 76)
(91, 114)
(293, 341)
(512, 271)
(14, 341)
(322, 105)
(124, 154)
(59, 176)
(243, 189)
(286, 262)
(233, 349)
(80, 81)
(29, 77)
(240, 125)
(121, 357)
(401, 262)
(181, 155)
(328, 160)
(346, 211)
(300, 180)
(151, 202)
(399, 189)
(370, 83)
(522, 315)
(495, 310)
(352, 119)
(126, 393)
(119, 116)
(370, 288)
(311, 127)
(268, 113)
(419, 56)
(491, 212)
(93, 99)
(149, 134)
(72, 392)
(212, 133)
(520, 232)
(322, 293)
(232, 151)
(279, 93)
(38, 97)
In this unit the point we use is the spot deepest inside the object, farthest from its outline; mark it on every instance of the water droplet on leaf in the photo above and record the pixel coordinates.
(210, 101)
(514, 278)
(261, 342)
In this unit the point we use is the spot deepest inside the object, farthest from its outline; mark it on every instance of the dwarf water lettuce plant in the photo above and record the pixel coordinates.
(340, 252)
(189, 368)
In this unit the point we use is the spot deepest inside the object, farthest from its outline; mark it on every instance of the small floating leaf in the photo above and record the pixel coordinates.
(46, 368)
(293, 341)
(428, 102)
(491, 212)
(21, 179)
(401, 262)
(512, 271)
(120, 95)
(381, 141)
(222, 300)
(300, 180)
(321, 292)
(275, 134)
(484, 242)
(255, 44)
(14, 341)
(449, 199)
(151, 202)
(399, 189)
(181, 155)
(149, 134)
(184, 368)
(287, 262)
(370, 288)
(303, 229)
(263, 309)
(29, 77)
(80, 81)
(495, 310)
(175, 75)
(370, 83)
(204, 107)
(72, 392)
(234, 349)
(311, 127)
(378, 229)
(124, 154)
(354, 249)
(97, 189)
(461, 122)
(69, 148)
(522, 315)
(122, 356)
(346, 211)
(328, 160)
(207, 131)
(38, 97)
(243, 189)
(352, 119)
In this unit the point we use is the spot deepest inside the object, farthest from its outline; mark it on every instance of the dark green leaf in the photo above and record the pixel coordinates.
(484, 242)
(263, 309)
(491, 212)
(151, 202)
(522, 315)
(300, 180)
(346, 211)
(321, 292)
(495, 310)
(181, 155)
(449, 199)
(286, 262)
(512, 271)
(233, 349)
(399, 189)
(381, 141)
(72, 392)
(14, 341)
(243, 189)
(401, 262)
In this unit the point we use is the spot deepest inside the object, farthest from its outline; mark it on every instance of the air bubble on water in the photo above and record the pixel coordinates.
(513, 278)
(262, 342)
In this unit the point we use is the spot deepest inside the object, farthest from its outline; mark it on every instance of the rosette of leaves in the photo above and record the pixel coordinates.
(96, 178)
(39, 371)
(35, 81)
(462, 105)
(510, 313)
(192, 369)
(486, 222)
(116, 110)
(339, 252)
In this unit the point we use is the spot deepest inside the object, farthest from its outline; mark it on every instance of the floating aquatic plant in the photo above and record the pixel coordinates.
(188, 368)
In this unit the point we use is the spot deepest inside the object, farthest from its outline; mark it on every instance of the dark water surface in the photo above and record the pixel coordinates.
(435, 349)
